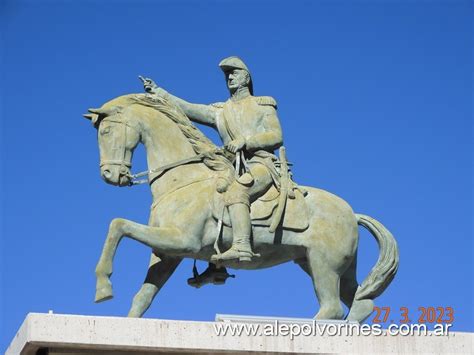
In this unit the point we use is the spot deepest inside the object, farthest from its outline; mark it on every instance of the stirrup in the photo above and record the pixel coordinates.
(233, 253)
(213, 274)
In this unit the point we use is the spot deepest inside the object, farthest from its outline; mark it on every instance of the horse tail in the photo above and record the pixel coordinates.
(387, 264)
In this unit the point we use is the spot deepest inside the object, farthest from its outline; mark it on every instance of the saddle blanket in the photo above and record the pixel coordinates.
(295, 217)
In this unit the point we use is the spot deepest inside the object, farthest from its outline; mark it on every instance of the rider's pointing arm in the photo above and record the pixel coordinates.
(196, 112)
(199, 113)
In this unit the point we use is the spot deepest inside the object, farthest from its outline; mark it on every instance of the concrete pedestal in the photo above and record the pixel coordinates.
(56, 334)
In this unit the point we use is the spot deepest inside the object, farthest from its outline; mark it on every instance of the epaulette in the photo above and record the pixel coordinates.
(266, 101)
(218, 104)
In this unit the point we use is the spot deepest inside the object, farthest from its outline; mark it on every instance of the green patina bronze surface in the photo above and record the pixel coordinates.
(235, 206)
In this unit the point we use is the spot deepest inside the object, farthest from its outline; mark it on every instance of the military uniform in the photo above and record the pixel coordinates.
(252, 122)
(255, 120)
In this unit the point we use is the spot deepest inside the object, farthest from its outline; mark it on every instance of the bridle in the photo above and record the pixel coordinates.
(126, 165)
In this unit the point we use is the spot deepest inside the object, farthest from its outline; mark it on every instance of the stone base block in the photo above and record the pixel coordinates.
(55, 334)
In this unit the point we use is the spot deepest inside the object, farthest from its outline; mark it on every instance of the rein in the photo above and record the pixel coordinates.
(135, 178)
(162, 170)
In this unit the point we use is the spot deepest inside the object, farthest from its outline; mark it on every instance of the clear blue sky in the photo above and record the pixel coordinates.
(376, 107)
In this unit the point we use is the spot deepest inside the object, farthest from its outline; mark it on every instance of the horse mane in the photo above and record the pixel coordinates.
(214, 157)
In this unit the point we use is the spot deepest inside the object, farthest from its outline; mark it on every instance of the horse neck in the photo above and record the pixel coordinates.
(163, 140)
(166, 144)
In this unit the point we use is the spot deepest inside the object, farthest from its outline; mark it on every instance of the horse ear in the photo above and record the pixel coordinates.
(94, 115)
(98, 111)
(109, 111)
(97, 114)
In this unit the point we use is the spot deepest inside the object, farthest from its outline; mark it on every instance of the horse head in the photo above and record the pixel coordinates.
(118, 136)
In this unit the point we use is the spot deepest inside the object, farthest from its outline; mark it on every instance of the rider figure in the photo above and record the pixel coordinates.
(249, 128)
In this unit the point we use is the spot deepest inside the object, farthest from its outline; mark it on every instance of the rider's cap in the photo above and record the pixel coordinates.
(234, 62)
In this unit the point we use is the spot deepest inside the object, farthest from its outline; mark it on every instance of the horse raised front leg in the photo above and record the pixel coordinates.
(160, 269)
(162, 239)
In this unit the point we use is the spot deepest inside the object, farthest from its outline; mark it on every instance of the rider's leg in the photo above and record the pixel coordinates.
(240, 217)
(262, 181)
(238, 199)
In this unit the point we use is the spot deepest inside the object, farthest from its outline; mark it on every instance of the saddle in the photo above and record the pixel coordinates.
(295, 216)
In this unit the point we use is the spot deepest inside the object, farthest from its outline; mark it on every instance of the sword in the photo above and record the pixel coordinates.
(277, 217)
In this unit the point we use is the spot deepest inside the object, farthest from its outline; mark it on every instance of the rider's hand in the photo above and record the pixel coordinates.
(236, 145)
(148, 84)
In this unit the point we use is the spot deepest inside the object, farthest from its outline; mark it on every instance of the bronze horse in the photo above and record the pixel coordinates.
(182, 225)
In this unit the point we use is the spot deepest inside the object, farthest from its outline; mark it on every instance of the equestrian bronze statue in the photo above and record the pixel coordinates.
(234, 206)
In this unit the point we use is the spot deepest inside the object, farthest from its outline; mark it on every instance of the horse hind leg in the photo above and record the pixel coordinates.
(349, 284)
(326, 281)
(159, 271)
(359, 310)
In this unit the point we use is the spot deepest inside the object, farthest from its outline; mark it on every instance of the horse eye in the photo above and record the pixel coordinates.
(105, 131)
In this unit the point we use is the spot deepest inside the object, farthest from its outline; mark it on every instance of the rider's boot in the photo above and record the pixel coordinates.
(241, 228)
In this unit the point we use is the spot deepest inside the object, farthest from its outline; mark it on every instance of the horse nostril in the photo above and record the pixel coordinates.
(107, 174)
(123, 170)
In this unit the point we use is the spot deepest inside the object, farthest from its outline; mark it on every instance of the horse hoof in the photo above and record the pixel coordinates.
(103, 295)
(103, 291)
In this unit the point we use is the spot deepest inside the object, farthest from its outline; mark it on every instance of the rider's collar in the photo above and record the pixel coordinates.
(233, 99)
